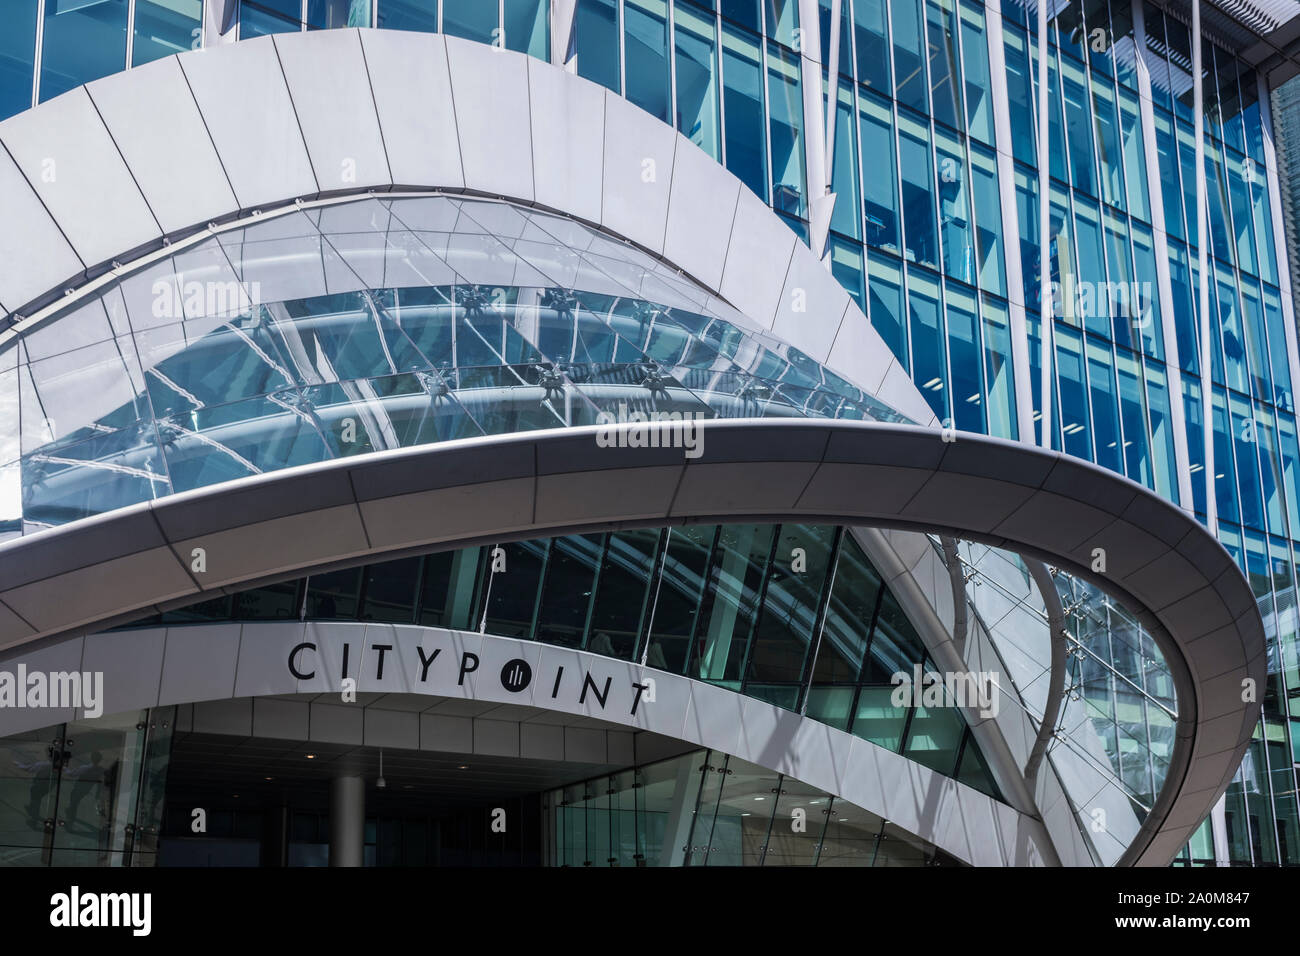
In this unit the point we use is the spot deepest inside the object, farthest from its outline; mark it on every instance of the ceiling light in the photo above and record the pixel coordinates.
(311, 756)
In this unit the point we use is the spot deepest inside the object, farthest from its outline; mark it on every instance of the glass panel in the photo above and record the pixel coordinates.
(391, 591)
(909, 55)
(419, 15)
(597, 41)
(448, 594)
(945, 69)
(697, 87)
(746, 139)
(789, 190)
(975, 59)
(81, 42)
(626, 586)
(163, 27)
(17, 58)
(684, 573)
(731, 601)
(871, 41)
(568, 588)
(880, 181)
(964, 341)
(645, 44)
(471, 19)
(929, 363)
(885, 291)
(791, 600)
(516, 574)
(527, 26)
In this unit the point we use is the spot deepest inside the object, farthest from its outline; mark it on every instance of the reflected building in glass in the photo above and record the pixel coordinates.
(340, 355)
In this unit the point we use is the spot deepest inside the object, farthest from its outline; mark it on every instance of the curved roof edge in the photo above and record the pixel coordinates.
(1148, 553)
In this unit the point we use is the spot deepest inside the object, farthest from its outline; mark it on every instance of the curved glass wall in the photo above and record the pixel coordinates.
(1115, 735)
(710, 809)
(369, 325)
(795, 615)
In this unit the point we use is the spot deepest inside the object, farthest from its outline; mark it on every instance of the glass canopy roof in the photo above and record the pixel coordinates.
(369, 325)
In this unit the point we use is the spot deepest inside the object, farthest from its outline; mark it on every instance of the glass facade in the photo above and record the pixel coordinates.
(816, 632)
(86, 793)
(709, 809)
(926, 195)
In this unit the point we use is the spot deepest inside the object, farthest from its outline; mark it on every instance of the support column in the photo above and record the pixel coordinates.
(219, 18)
(563, 48)
(1010, 225)
(1169, 336)
(1047, 348)
(1202, 264)
(820, 199)
(347, 821)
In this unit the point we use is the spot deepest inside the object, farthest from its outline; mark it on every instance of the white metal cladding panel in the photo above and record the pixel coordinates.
(66, 154)
(157, 126)
(245, 103)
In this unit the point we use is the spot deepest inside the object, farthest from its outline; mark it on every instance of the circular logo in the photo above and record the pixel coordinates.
(516, 675)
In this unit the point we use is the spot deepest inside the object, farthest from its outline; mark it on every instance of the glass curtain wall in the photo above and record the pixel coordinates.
(709, 809)
(795, 615)
(86, 793)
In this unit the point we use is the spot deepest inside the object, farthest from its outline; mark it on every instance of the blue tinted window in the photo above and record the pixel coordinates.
(954, 208)
(998, 373)
(645, 45)
(747, 13)
(789, 191)
(929, 365)
(82, 42)
(846, 217)
(782, 20)
(963, 339)
(975, 62)
(162, 29)
(267, 17)
(596, 28)
(527, 27)
(746, 142)
(1133, 418)
(421, 15)
(1105, 408)
(918, 191)
(1073, 417)
(945, 70)
(17, 56)
(1020, 96)
(337, 14)
(697, 79)
(879, 180)
(847, 268)
(988, 220)
(909, 64)
(871, 40)
(1162, 433)
(885, 290)
(471, 19)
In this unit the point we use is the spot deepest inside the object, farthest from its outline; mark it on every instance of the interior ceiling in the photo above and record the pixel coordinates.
(262, 769)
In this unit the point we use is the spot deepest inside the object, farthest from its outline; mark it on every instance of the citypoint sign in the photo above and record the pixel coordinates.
(427, 670)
